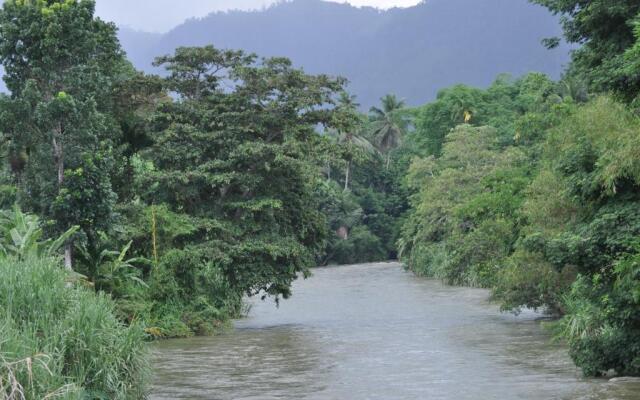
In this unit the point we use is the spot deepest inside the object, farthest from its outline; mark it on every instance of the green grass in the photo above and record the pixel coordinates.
(64, 342)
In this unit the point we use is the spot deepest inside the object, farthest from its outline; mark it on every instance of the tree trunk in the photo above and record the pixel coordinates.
(68, 256)
(58, 153)
(388, 161)
(58, 156)
(347, 174)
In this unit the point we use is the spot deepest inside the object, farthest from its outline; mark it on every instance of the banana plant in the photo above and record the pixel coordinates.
(113, 272)
(21, 236)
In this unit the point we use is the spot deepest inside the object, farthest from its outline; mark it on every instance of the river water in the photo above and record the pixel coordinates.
(374, 331)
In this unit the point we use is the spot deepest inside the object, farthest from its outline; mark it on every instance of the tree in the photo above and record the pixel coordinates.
(605, 31)
(435, 120)
(389, 124)
(236, 152)
(348, 134)
(60, 64)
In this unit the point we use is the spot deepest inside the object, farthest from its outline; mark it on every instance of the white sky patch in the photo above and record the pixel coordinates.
(162, 15)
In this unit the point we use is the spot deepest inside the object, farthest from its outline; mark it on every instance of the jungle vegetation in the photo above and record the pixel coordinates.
(531, 188)
(142, 207)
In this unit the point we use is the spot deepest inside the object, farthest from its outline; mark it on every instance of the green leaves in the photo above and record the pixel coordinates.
(21, 236)
(240, 163)
(61, 67)
(605, 31)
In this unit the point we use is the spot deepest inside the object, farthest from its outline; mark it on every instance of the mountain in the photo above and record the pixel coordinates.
(412, 52)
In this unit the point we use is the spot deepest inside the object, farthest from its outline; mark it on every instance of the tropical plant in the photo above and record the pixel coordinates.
(389, 124)
(113, 273)
(21, 236)
(59, 111)
(353, 145)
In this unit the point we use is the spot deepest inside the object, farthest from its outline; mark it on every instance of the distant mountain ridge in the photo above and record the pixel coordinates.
(412, 52)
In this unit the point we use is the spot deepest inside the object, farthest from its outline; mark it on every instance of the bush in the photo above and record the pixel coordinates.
(190, 295)
(602, 324)
(361, 246)
(64, 342)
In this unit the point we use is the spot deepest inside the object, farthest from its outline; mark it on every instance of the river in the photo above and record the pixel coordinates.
(374, 331)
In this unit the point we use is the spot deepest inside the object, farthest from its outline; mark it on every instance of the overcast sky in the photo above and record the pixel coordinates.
(162, 15)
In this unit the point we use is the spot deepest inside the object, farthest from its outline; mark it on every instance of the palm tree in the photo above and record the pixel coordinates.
(574, 88)
(351, 142)
(389, 124)
(348, 133)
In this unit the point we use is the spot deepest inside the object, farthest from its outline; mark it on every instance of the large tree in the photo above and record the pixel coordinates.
(605, 31)
(60, 65)
(237, 152)
(348, 135)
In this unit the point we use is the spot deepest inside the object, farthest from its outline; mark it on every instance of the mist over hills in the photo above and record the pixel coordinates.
(413, 52)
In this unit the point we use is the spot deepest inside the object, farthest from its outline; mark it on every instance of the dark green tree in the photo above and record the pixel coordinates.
(60, 64)
(604, 29)
(237, 152)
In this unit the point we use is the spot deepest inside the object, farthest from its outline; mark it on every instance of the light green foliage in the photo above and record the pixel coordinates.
(62, 342)
(591, 224)
(515, 108)
(482, 152)
(114, 273)
(21, 236)
(547, 221)
(602, 324)
(462, 223)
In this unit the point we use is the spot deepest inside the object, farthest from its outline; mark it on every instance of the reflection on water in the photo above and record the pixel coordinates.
(376, 332)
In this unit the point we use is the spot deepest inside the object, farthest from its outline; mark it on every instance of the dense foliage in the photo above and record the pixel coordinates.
(607, 33)
(173, 197)
(61, 65)
(363, 196)
(530, 188)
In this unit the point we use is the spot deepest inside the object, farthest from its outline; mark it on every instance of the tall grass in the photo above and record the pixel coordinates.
(63, 342)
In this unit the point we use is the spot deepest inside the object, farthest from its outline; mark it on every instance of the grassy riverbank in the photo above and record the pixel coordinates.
(64, 342)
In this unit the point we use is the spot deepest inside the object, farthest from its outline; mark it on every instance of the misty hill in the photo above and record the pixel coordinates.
(412, 52)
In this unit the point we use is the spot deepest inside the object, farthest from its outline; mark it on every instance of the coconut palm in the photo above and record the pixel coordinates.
(389, 124)
(352, 143)
(348, 134)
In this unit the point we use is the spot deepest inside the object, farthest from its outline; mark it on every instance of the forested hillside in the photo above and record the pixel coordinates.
(412, 52)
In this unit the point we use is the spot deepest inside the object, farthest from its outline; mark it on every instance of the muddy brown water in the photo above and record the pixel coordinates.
(374, 331)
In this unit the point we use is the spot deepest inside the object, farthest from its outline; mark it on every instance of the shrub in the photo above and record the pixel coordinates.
(190, 295)
(360, 246)
(602, 324)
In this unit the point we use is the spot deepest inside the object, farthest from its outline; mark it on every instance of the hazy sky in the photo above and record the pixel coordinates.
(162, 15)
